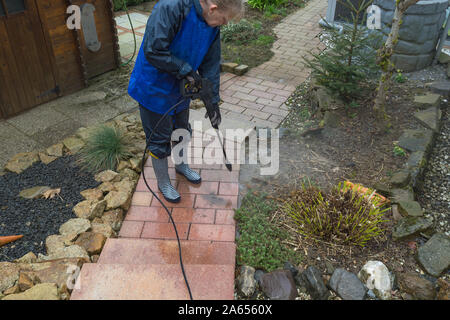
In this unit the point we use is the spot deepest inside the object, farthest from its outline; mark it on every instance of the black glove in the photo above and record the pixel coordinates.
(194, 78)
(213, 112)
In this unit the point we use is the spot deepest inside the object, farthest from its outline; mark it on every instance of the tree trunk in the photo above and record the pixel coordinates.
(384, 59)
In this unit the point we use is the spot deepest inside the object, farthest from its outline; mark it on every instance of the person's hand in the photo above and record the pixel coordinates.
(194, 78)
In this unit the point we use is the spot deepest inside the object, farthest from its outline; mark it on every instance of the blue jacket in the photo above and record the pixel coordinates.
(177, 40)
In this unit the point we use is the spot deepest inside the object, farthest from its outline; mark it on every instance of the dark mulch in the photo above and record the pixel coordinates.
(38, 218)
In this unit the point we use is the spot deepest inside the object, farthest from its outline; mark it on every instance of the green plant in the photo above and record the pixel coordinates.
(264, 40)
(339, 216)
(399, 77)
(399, 151)
(260, 242)
(348, 63)
(263, 4)
(105, 147)
(240, 32)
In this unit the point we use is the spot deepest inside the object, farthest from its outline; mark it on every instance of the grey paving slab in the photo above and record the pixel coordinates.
(125, 104)
(56, 133)
(36, 119)
(13, 141)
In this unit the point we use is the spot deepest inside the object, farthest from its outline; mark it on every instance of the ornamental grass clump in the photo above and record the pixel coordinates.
(104, 149)
(340, 216)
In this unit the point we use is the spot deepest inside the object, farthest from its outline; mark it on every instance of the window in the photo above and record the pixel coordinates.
(12, 6)
(15, 6)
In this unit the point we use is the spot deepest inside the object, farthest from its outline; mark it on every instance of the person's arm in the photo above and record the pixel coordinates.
(161, 29)
(210, 67)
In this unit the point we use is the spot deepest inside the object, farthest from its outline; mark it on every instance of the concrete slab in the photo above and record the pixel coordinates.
(37, 119)
(91, 114)
(14, 141)
(153, 282)
(56, 133)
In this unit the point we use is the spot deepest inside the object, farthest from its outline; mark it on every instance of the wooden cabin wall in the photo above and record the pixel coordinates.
(105, 59)
(64, 46)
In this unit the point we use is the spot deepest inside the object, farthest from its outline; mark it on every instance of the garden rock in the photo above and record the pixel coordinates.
(27, 280)
(14, 289)
(46, 159)
(241, 69)
(55, 271)
(92, 194)
(289, 266)
(416, 159)
(441, 87)
(91, 242)
(43, 291)
(89, 209)
(113, 218)
(107, 187)
(395, 212)
(73, 251)
(123, 165)
(228, 67)
(75, 226)
(118, 199)
(125, 186)
(400, 178)
(56, 150)
(409, 226)
(434, 255)
(21, 161)
(246, 281)
(416, 286)
(375, 275)
(258, 275)
(128, 174)
(9, 274)
(402, 194)
(410, 208)
(104, 229)
(428, 100)
(279, 285)
(33, 193)
(347, 285)
(84, 133)
(416, 140)
(312, 279)
(444, 290)
(54, 243)
(107, 176)
(73, 144)
(136, 162)
(30, 257)
(429, 118)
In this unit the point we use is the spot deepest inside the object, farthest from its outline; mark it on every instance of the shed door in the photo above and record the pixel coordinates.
(26, 76)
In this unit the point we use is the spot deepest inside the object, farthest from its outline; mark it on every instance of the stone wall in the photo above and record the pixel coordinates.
(418, 34)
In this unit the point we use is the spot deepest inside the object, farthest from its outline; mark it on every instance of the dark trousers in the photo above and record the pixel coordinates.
(160, 144)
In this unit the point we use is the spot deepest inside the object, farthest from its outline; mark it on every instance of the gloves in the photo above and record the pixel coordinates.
(213, 112)
(194, 78)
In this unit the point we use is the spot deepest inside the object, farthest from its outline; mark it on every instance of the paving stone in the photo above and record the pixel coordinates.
(155, 251)
(416, 140)
(153, 282)
(434, 255)
(212, 232)
(441, 87)
(429, 118)
(159, 230)
(410, 208)
(428, 100)
(400, 178)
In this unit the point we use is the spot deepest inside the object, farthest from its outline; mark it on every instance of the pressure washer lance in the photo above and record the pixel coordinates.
(187, 91)
(203, 91)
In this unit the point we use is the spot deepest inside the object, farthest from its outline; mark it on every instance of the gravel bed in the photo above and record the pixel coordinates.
(38, 218)
(435, 193)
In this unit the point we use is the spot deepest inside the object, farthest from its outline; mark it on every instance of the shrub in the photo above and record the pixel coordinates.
(348, 62)
(240, 32)
(105, 147)
(340, 216)
(119, 4)
(262, 4)
(260, 242)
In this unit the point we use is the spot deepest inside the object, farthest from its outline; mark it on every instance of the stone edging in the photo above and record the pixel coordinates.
(81, 239)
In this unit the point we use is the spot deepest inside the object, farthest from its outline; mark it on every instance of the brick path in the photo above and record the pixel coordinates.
(143, 262)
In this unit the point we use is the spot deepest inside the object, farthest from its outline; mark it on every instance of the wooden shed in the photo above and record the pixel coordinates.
(42, 58)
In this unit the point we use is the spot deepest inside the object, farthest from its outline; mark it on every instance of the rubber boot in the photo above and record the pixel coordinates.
(184, 169)
(161, 168)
